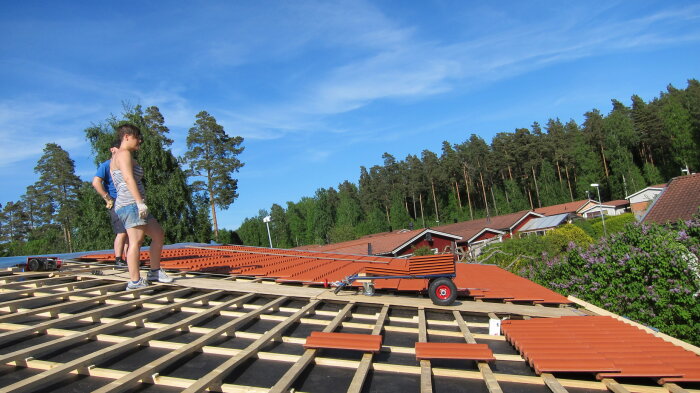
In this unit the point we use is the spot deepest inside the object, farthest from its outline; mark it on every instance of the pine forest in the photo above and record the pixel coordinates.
(624, 148)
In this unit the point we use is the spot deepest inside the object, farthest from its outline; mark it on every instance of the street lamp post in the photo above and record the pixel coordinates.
(600, 208)
(267, 220)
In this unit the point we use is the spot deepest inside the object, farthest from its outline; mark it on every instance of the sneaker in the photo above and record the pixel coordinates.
(158, 275)
(141, 283)
(120, 263)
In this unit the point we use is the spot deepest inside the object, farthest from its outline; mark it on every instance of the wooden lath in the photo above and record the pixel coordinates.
(112, 312)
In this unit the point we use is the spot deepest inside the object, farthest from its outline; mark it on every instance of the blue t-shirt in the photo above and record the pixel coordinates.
(103, 173)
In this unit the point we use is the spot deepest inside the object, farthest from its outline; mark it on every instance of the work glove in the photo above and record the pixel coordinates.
(109, 202)
(143, 210)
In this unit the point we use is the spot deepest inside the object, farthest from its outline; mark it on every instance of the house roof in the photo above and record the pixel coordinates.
(658, 187)
(568, 207)
(320, 268)
(382, 243)
(679, 201)
(205, 332)
(616, 204)
(545, 222)
(468, 229)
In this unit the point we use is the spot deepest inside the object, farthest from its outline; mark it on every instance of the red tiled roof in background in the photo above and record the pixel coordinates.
(468, 229)
(679, 201)
(600, 345)
(617, 203)
(382, 243)
(569, 207)
(316, 268)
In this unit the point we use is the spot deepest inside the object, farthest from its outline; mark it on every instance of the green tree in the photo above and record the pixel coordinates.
(14, 223)
(677, 120)
(93, 226)
(279, 229)
(213, 155)
(59, 185)
(652, 175)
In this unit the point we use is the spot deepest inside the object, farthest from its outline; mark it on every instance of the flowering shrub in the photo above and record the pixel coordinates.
(648, 273)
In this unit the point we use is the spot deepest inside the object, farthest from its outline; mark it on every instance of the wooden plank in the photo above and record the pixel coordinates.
(141, 374)
(552, 383)
(30, 291)
(92, 314)
(613, 386)
(55, 308)
(486, 372)
(464, 305)
(284, 383)
(216, 376)
(426, 375)
(363, 369)
(74, 337)
(13, 305)
(37, 283)
(489, 378)
(468, 336)
(673, 388)
(51, 376)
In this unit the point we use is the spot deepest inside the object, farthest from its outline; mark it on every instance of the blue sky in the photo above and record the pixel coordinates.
(319, 88)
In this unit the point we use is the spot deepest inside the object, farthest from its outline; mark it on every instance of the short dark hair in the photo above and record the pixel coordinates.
(115, 143)
(128, 129)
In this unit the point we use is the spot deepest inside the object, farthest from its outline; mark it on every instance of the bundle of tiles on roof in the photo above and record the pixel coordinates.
(602, 345)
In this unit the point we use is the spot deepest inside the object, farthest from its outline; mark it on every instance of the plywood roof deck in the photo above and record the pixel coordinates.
(82, 332)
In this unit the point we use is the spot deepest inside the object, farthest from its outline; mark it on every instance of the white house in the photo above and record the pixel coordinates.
(611, 208)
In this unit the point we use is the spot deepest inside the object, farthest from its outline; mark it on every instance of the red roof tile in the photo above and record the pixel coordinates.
(468, 229)
(679, 201)
(601, 345)
(569, 207)
(317, 268)
(465, 351)
(382, 243)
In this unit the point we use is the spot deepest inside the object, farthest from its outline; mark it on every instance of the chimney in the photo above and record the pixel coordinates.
(369, 248)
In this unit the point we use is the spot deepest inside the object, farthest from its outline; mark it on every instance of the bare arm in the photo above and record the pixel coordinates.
(99, 187)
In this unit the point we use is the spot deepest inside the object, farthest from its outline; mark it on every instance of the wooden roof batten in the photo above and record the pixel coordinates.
(105, 310)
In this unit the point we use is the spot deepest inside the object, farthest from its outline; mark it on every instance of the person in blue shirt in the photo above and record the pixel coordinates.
(103, 184)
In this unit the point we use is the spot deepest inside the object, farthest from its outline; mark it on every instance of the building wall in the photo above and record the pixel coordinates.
(523, 222)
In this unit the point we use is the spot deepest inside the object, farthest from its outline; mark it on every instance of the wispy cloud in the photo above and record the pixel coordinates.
(397, 63)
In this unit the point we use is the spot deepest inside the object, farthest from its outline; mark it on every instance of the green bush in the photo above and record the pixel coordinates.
(613, 224)
(560, 239)
(648, 273)
(424, 250)
(514, 254)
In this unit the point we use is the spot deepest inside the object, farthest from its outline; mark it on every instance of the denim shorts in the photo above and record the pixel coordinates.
(129, 216)
(117, 225)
